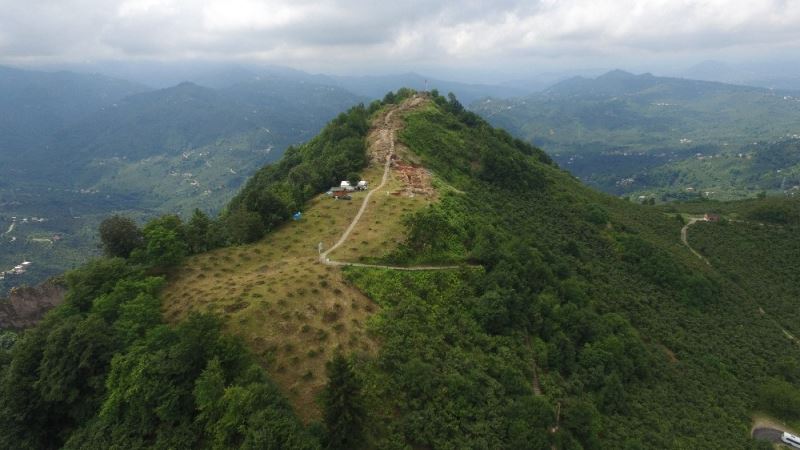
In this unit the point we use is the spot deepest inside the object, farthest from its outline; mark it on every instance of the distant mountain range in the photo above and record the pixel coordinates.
(775, 75)
(34, 104)
(223, 75)
(609, 129)
(75, 148)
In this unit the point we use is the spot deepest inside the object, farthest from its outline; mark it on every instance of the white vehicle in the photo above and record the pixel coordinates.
(362, 185)
(345, 183)
(791, 439)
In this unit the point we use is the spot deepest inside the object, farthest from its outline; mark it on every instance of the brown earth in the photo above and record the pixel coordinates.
(25, 306)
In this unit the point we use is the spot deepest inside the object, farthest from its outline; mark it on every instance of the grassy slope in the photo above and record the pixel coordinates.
(292, 310)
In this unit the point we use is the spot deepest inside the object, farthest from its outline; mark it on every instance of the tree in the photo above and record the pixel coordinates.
(120, 236)
(165, 244)
(454, 105)
(612, 395)
(244, 226)
(583, 421)
(344, 411)
(197, 232)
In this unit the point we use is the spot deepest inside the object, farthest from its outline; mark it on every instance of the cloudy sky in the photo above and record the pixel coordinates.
(353, 36)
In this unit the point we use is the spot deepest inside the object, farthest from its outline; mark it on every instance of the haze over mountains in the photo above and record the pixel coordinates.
(76, 147)
(613, 130)
(771, 74)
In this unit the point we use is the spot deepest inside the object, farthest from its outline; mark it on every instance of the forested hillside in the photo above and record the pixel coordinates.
(35, 104)
(512, 308)
(656, 136)
(161, 151)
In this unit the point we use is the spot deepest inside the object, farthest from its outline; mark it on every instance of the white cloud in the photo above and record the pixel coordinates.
(329, 32)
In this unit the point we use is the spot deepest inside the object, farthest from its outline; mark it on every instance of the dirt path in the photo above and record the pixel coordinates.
(386, 133)
(382, 266)
(537, 386)
(786, 333)
(685, 240)
(386, 144)
(685, 237)
(10, 229)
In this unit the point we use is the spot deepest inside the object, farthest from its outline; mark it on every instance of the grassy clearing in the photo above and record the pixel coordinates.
(291, 310)
(381, 227)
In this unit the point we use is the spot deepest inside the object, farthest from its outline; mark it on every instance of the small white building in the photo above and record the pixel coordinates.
(362, 185)
(345, 184)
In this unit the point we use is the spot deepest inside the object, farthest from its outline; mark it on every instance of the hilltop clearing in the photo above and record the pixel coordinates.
(292, 310)
(574, 319)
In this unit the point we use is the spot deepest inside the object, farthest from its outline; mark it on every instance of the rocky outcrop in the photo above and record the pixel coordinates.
(27, 305)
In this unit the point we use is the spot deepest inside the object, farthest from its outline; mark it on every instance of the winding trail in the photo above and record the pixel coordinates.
(324, 255)
(685, 237)
(387, 133)
(685, 240)
(10, 229)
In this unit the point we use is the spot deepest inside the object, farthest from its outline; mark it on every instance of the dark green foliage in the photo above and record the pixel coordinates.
(596, 214)
(199, 230)
(275, 192)
(774, 212)
(251, 415)
(582, 420)
(780, 398)
(433, 237)
(103, 371)
(54, 381)
(120, 236)
(165, 242)
(150, 388)
(343, 406)
(7, 340)
(188, 387)
(243, 226)
(641, 344)
(440, 381)
(633, 341)
(458, 144)
(93, 280)
(660, 268)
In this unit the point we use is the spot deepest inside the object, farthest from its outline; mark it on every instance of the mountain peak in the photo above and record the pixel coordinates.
(616, 74)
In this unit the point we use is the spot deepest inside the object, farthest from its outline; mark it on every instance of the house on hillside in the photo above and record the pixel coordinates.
(709, 217)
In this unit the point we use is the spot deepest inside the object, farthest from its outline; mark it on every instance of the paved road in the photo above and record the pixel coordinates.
(685, 237)
(768, 434)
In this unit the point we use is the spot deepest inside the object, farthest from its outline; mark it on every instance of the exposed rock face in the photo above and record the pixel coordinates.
(27, 305)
